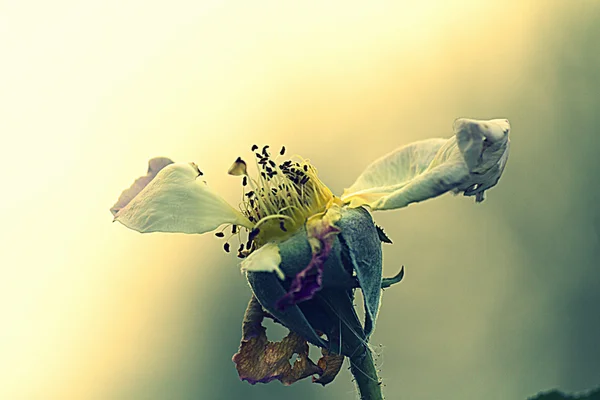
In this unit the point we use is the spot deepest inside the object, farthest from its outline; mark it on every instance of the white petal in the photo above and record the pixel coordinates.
(154, 167)
(471, 161)
(265, 259)
(176, 201)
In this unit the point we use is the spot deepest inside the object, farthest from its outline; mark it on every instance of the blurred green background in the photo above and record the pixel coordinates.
(500, 300)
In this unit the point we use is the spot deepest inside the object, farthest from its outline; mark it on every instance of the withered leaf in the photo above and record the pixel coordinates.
(260, 360)
(330, 364)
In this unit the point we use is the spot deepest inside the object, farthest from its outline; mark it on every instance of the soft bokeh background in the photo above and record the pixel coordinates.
(500, 300)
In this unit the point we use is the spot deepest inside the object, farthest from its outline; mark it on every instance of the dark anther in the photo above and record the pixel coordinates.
(272, 163)
(248, 244)
(254, 147)
(253, 233)
(197, 169)
(234, 229)
(274, 190)
(238, 167)
(263, 175)
(282, 151)
(226, 247)
(240, 255)
(264, 151)
(245, 181)
(219, 234)
(269, 170)
(250, 194)
(241, 247)
(304, 180)
(282, 226)
(306, 168)
(258, 155)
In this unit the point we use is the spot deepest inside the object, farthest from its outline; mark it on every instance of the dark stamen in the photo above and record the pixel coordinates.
(282, 151)
(245, 181)
(282, 226)
(250, 194)
(254, 147)
(253, 234)
(306, 168)
(241, 247)
(226, 247)
(234, 229)
(272, 163)
(197, 169)
(264, 151)
(220, 234)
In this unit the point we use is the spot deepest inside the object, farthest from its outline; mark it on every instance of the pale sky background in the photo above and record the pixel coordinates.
(500, 299)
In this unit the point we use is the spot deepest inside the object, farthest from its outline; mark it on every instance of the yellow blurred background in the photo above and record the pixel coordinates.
(500, 299)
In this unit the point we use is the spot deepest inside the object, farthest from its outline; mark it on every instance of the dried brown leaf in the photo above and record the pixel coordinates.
(260, 360)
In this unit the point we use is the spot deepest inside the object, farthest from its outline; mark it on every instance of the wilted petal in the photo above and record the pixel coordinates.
(154, 167)
(485, 146)
(260, 360)
(472, 161)
(265, 259)
(176, 201)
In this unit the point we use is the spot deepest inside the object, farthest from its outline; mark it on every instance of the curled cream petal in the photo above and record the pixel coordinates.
(265, 259)
(177, 201)
(472, 161)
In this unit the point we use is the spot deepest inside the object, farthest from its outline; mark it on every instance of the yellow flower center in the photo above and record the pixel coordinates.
(281, 198)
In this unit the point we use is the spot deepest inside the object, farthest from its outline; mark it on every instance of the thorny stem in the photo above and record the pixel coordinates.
(365, 374)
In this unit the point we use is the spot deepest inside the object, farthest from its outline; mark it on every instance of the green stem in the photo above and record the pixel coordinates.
(365, 374)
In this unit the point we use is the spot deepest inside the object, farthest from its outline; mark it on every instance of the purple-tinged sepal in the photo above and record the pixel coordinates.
(321, 233)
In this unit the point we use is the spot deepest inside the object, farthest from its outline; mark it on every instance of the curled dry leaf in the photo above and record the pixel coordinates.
(260, 360)
(330, 364)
